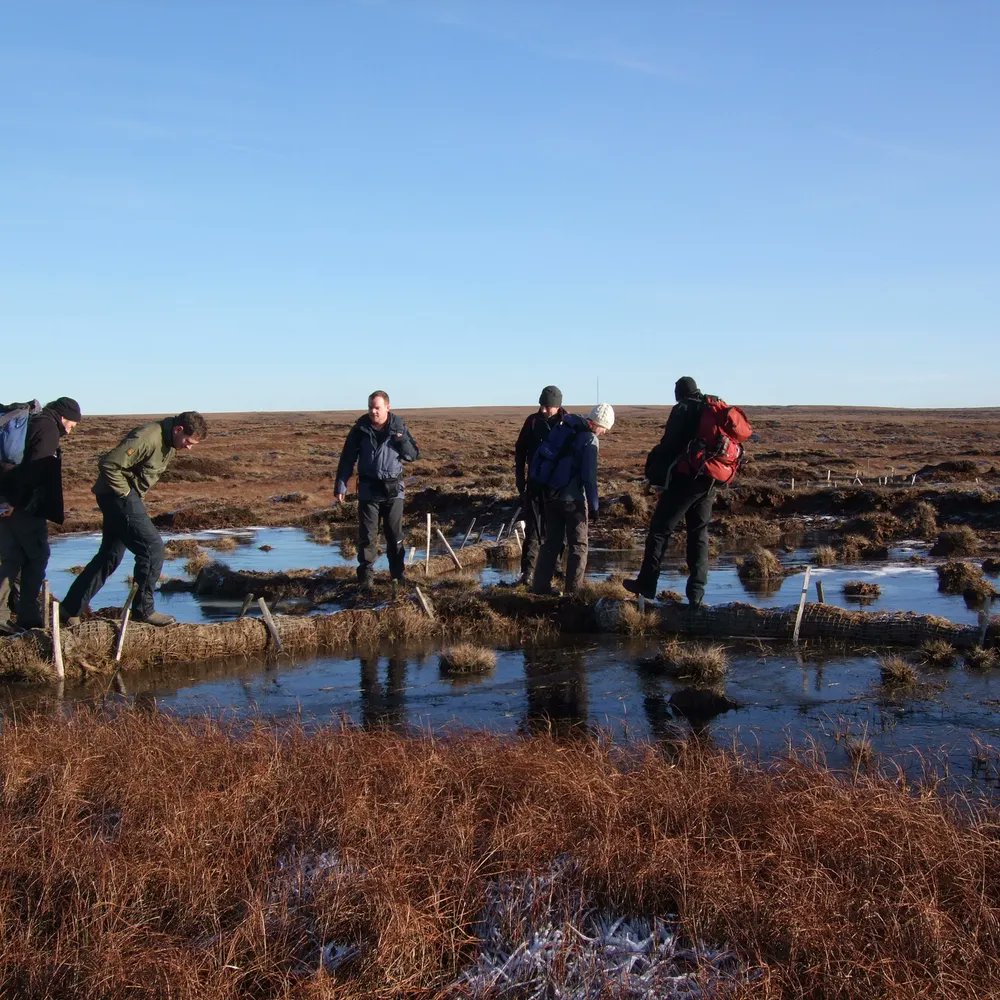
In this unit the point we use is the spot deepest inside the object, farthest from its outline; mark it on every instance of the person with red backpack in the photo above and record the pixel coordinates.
(701, 448)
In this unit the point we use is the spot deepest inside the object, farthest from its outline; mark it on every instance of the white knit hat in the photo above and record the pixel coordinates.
(603, 415)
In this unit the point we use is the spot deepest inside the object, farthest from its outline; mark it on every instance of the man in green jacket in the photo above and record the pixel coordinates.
(126, 474)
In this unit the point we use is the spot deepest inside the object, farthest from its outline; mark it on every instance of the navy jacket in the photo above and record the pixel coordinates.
(379, 456)
(35, 486)
(534, 431)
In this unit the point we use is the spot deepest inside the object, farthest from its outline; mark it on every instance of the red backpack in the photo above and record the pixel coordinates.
(717, 448)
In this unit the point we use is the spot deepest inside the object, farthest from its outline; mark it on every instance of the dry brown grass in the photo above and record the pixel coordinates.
(147, 857)
(467, 658)
(761, 564)
(197, 563)
(704, 663)
(181, 548)
(220, 543)
(956, 577)
(921, 519)
(937, 653)
(980, 658)
(824, 555)
(960, 541)
(897, 672)
(861, 588)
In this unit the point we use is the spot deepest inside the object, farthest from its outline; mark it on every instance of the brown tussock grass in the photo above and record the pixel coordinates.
(981, 658)
(861, 588)
(204, 883)
(824, 555)
(197, 563)
(761, 564)
(897, 672)
(467, 658)
(937, 653)
(221, 543)
(181, 548)
(956, 577)
(922, 519)
(960, 541)
(705, 663)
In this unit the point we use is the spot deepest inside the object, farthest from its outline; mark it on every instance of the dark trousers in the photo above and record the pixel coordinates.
(687, 498)
(126, 527)
(24, 549)
(534, 534)
(564, 519)
(390, 513)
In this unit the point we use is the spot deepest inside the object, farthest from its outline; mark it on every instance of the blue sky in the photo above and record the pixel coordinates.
(284, 205)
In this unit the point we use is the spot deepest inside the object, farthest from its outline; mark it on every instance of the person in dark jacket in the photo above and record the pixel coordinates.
(34, 496)
(536, 429)
(126, 474)
(570, 508)
(685, 496)
(379, 443)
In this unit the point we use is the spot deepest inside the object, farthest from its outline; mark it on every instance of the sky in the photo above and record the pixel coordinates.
(252, 206)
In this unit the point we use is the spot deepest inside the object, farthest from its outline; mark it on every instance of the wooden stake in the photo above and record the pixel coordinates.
(802, 604)
(412, 555)
(469, 532)
(793, 484)
(984, 624)
(819, 592)
(116, 681)
(247, 601)
(451, 551)
(45, 603)
(57, 657)
(427, 560)
(424, 603)
(269, 622)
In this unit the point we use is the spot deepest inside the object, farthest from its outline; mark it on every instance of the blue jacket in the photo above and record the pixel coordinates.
(582, 462)
(379, 456)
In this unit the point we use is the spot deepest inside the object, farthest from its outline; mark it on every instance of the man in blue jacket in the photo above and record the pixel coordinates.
(379, 443)
(568, 485)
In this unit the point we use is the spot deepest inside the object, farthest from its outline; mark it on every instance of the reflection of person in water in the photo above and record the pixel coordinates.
(383, 705)
(670, 714)
(556, 689)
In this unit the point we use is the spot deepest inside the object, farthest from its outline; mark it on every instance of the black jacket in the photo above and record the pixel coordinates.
(379, 456)
(535, 430)
(681, 427)
(35, 486)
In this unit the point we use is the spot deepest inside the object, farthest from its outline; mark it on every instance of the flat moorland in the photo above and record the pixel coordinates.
(277, 468)
(149, 857)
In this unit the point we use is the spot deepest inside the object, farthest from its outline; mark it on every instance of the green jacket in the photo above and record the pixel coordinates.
(138, 461)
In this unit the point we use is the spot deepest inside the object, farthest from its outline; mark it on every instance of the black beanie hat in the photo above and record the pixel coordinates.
(66, 407)
(551, 396)
(685, 387)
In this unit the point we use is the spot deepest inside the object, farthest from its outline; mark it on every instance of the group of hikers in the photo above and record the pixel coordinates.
(555, 468)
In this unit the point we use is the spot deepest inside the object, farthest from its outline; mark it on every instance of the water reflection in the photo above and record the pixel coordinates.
(555, 682)
(383, 704)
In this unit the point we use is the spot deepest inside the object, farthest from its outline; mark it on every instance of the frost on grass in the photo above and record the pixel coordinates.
(540, 937)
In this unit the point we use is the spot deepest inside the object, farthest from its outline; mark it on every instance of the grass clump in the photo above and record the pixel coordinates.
(922, 520)
(896, 672)
(824, 555)
(465, 659)
(760, 564)
(982, 658)
(704, 663)
(181, 548)
(222, 543)
(957, 577)
(937, 653)
(991, 566)
(197, 563)
(960, 541)
(861, 588)
(620, 538)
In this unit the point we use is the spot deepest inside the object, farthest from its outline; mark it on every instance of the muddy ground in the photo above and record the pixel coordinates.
(277, 469)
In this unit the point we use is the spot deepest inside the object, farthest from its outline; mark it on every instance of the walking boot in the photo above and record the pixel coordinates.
(157, 618)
